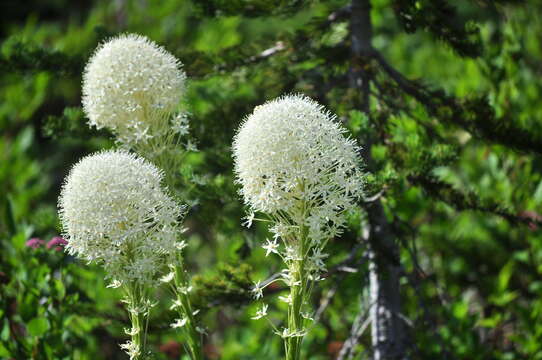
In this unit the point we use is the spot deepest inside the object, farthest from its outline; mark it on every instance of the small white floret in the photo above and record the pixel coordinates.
(260, 313)
(167, 278)
(271, 247)
(257, 290)
(179, 323)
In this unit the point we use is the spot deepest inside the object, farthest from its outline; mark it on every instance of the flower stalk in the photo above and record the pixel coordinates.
(298, 295)
(192, 333)
(138, 307)
(115, 211)
(132, 86)
(297, 168)
(179, 284)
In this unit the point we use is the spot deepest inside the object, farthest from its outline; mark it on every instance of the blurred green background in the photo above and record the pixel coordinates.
(472, 282)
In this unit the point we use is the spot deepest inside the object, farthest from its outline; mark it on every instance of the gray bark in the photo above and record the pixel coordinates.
(387, 329)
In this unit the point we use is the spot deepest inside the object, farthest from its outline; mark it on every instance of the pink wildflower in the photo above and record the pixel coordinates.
(58, 242)
(35, 243)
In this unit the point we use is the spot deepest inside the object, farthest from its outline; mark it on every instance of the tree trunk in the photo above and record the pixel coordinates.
(387, 328)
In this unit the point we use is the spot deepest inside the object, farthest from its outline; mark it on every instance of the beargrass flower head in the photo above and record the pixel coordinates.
(129, 85)
(291, 151)
(114, 211)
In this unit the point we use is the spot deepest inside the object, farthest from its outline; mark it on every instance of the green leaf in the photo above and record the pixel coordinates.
(24, 140)
(504, 298)
(537, 197)
(9, 217)
(38, 326)
(490, 322)
(504, 276)
(219, 34)
(5, 333)
(60, 289)
(3, 351)
(460, 310)
(358, 122)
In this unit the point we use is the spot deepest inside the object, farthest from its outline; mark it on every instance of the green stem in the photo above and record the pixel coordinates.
(192, 335)
(136, 300)
(298, 294)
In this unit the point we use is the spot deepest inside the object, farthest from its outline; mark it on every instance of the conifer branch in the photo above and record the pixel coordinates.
(461, 200)
(232, 285)
(439, 18)
(29, 58)
(474, 115)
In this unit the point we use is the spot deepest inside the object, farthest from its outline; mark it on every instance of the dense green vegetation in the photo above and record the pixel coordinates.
(446, 105)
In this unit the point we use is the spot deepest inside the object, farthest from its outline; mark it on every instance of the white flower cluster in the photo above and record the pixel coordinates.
(294, 163)
(131, 86)
(114, 211)
(296, 166)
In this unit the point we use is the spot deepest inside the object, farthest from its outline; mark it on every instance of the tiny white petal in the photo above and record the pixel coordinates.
(185, 289)
(181, 244)
(167, 278)
(179, 323)
(132, 331)
(114, 284)
(261, 312)
(248, 220)
(176, 304)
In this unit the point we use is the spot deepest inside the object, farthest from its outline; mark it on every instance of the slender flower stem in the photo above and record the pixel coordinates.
(163, 149)
(299, 290)
(137, 305)
(296, 166)
(138, 338)
(187, 313)
(295, 319)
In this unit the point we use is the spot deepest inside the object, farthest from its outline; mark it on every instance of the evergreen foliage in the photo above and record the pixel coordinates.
(452, 128)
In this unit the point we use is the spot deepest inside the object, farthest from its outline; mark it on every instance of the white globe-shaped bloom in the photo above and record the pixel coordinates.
(291, 157)
(129, 85)
(114, 211)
